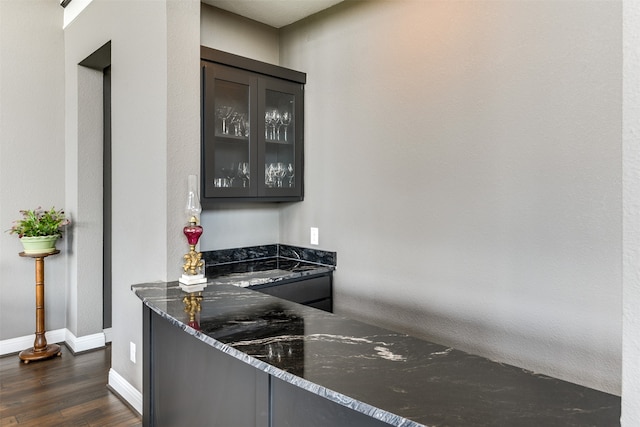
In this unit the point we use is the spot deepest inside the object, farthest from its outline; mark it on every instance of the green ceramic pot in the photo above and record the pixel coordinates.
(39, 244)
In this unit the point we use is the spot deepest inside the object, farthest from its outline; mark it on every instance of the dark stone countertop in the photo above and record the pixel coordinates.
(389, 376)
(259, 265)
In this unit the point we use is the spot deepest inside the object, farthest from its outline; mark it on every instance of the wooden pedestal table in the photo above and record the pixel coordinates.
(40, 350)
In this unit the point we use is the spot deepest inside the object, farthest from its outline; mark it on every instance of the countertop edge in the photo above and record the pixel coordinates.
(336, 397)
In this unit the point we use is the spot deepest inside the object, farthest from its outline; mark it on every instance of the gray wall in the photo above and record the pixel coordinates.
(468, 174)
(32, 156)
(232, 33)
(232, 225)
(155, 131)
(631, 215)
(464, 160)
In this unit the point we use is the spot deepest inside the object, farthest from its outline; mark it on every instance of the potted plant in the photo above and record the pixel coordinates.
(39, 229)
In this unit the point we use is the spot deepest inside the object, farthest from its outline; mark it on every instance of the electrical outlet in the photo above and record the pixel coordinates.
(314, 236)
(132, 352)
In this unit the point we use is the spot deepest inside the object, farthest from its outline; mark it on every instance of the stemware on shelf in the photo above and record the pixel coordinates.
(223, 113)
(221, 182)
(229, 173)
(236, 120)
(275, 120)
(275, 174)
(280, 172)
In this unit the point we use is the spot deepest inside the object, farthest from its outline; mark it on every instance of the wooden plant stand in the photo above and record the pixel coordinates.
(40, 350)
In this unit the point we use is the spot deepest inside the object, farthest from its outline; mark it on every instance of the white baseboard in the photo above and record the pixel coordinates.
(84, 343)
(76, 344)
(125, 390)
(108, 334)
(15, 345)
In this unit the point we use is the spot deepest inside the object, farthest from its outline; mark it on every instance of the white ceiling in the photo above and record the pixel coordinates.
(276, 13)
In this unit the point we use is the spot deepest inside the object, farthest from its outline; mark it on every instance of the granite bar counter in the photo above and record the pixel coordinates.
(257, 265)
(273, 362)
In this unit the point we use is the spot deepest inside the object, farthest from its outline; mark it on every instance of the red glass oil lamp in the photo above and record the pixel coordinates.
(193, 263)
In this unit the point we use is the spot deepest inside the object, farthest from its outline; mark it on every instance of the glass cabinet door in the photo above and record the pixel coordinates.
(280, 171)
(252, 128)
(229, 133)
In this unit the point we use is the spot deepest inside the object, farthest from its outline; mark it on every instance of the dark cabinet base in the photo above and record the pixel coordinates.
(294, 407)
(313, 291)
(190, 383)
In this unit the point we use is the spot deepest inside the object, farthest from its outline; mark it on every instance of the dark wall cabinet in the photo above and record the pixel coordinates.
(252, 130)
(314, 291)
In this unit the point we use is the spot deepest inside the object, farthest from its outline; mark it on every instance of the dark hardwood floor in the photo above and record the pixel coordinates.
(62, 391)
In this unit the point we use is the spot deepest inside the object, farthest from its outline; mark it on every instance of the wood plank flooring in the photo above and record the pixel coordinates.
(62, 391)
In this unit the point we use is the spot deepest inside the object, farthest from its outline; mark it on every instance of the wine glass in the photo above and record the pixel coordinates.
(290, 172)
(279, 171)
(285, 121)
(277, 123)
(267, 123)
(229, 173)
(236, 121)
(245, 125)
(269, 174)
(223, 112)
(243, 172)
(270, 118)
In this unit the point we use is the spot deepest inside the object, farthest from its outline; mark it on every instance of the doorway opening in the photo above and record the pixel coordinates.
(100, 60)
(106, 201)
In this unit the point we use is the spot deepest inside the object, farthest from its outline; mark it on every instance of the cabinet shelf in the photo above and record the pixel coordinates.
(223, 137)
(276, 141)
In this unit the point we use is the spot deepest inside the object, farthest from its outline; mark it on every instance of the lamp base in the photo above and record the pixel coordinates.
(192, 283)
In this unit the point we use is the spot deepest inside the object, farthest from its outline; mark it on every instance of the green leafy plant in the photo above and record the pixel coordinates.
(40, 222)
